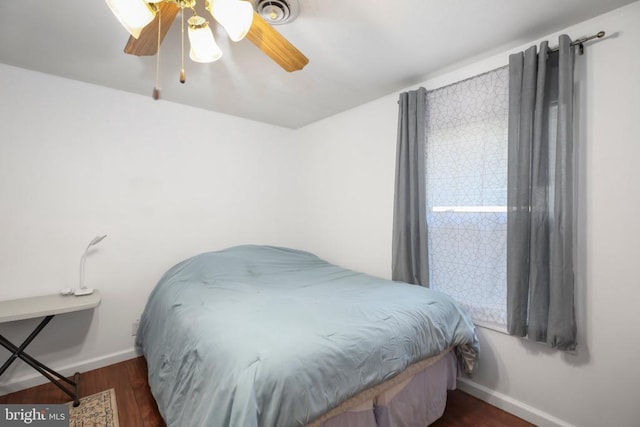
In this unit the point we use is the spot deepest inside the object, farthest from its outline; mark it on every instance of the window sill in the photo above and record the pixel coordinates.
(491, 326)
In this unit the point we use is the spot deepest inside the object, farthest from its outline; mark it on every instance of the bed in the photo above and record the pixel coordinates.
(268, 336)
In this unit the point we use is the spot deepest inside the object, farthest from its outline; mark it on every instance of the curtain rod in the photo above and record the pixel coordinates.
(580, 42)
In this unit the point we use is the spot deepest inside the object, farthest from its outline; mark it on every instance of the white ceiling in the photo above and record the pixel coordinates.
(359, 50)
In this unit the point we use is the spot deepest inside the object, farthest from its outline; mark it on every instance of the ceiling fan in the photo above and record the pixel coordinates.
(148, 21)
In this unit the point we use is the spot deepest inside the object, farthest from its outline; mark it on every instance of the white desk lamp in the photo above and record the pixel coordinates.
(83, 290)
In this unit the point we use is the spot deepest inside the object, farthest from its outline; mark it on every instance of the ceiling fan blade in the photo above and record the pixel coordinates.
(147, 43)
(274, 45)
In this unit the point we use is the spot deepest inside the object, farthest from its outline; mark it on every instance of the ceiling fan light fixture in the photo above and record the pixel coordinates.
(236, 16)
(134, 15)
(145, 40)
(203, 46)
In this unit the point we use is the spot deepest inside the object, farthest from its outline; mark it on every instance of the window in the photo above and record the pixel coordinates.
(466, 192)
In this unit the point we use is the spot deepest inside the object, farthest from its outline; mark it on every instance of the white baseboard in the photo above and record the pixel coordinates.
(35, 379)
(511, 405)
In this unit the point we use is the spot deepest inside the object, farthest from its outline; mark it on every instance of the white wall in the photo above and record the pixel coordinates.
(164, 181)
(351, 160)
(349, 186)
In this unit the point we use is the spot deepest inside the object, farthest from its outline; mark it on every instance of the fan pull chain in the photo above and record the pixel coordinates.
(156, 89)
(182, 74)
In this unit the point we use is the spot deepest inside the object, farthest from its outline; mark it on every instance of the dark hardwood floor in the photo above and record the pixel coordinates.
(136, 406)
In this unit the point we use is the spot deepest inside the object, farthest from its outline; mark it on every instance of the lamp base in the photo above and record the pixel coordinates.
(83, 291)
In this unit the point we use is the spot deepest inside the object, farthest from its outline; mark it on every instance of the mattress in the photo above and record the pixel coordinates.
(264, 336)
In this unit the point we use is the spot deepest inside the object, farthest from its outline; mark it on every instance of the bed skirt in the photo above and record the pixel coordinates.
(417, 396)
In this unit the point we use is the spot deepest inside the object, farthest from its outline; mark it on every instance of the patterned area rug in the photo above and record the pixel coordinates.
(99, 409)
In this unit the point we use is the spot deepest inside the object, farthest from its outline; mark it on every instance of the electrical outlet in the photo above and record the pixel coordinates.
(134, 327)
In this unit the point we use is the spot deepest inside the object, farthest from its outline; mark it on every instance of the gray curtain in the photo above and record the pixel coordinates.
(540, 244)
(409, 244)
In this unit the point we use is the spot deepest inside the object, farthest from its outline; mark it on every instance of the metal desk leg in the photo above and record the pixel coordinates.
(20, 350)
(50, 374)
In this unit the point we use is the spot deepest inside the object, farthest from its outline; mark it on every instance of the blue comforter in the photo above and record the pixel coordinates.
(266, 336)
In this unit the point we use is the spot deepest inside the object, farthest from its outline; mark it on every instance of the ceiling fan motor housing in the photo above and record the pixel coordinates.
(278, 12)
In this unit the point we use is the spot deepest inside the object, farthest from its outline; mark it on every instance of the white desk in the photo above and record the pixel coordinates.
(45, 306)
